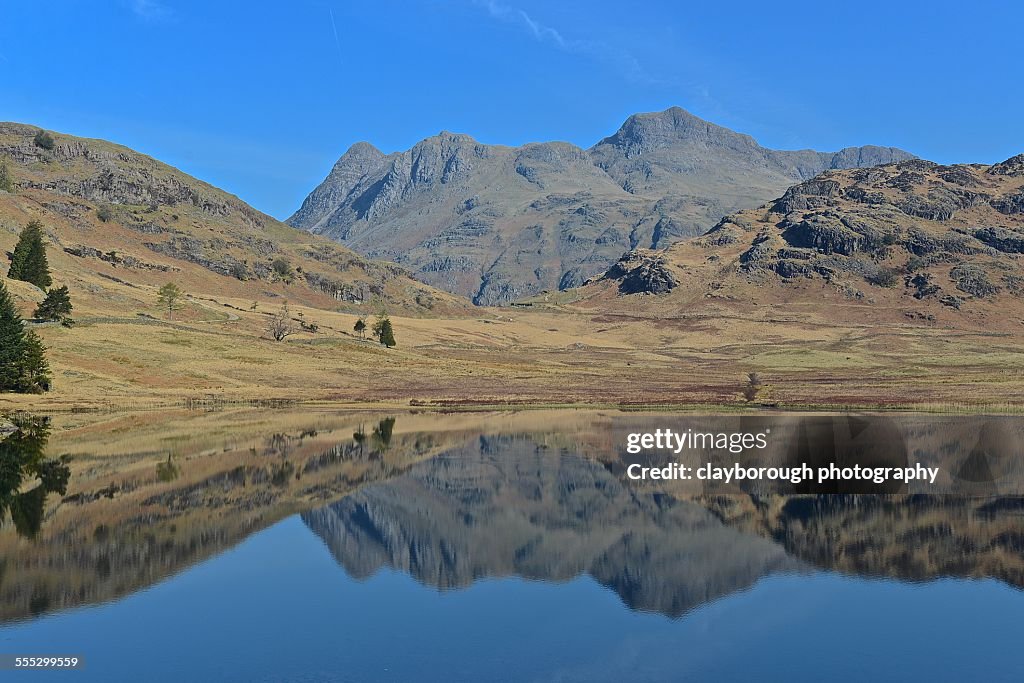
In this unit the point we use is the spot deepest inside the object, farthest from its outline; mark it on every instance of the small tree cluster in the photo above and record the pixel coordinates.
(360, 327)
(104, 213)
(383, 330)
(56, 307)
(28, 263)
(23, 366)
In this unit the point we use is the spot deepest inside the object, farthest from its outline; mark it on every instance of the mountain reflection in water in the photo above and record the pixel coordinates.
(505, 506)
(449, 499)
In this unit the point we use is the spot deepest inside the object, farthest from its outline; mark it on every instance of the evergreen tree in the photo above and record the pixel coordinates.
(56, 306)
(12, 342)
(6, 182)
(34, 370)
(383, 331)
(28, 263)
(360, 327)
(23, 366)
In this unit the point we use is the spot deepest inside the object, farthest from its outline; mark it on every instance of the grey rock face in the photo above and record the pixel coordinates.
(497, 223)
(642, 272)
(911, 222)
(1014, 167)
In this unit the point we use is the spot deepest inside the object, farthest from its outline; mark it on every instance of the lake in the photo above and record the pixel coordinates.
(327, 545)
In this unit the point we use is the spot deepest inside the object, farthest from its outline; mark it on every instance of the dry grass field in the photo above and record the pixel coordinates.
(217, 350)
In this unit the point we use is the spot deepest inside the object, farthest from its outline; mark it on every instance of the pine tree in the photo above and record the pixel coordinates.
(34, 370)
(12, 342)
(56, 306)
(6, 182)
(360, 327)
(383, 331)
(28, 263)
(23, 366)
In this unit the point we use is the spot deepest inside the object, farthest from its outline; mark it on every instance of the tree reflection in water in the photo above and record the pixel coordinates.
(22, 462)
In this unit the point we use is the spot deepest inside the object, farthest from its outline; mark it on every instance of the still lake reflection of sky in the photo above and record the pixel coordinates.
(278, 607)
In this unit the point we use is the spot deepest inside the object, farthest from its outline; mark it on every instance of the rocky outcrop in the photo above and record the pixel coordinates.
(1002, 239)
(916, 228)
(1009, 203)
(642, 272)
(1013, 167)
(972, 279)
(116, 259)
(498, 223)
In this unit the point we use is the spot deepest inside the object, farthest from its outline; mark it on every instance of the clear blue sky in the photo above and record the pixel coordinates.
(260, 98)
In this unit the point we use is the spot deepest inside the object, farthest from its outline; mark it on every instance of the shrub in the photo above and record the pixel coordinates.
(45, 141)
(282, 268)
(885, 277)
(6, 181)
(752, 387)
(239, 271)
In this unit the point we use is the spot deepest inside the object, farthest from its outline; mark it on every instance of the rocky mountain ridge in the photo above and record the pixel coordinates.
(497, 223)
(913, 235)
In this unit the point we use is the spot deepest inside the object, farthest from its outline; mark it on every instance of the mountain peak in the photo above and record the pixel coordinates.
(362, 148)
(641, 133)
(449, 137)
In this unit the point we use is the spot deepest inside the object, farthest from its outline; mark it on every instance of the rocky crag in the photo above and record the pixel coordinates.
(928, 238)
(498, 223)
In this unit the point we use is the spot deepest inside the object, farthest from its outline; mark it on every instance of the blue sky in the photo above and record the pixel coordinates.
(260, 98)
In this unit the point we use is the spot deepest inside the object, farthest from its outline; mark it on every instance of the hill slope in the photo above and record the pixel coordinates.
(907, 241)
(119, 221)
(498, 223)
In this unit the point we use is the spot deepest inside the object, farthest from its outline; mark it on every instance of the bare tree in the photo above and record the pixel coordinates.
(280, 325)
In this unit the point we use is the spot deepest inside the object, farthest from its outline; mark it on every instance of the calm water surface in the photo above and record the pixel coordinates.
(334, 547)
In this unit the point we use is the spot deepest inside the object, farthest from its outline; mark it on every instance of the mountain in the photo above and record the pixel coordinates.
(913, 240)
(498, 223)
(119, 221)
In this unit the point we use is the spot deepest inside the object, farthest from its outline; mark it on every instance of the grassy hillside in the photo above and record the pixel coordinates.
(120, 223)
